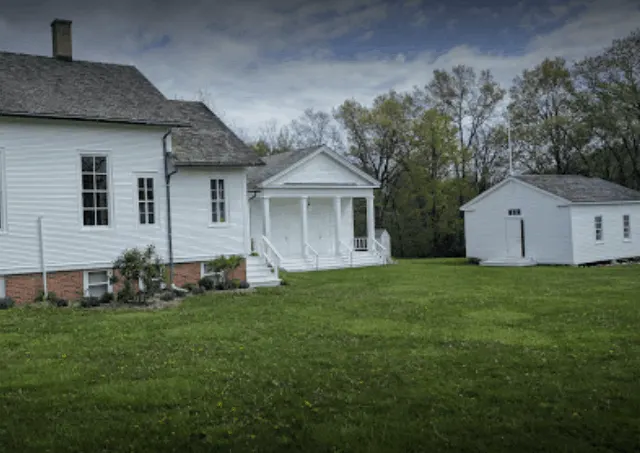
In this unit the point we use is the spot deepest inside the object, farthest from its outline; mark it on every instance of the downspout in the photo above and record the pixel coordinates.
(167, 176)
(43, 263)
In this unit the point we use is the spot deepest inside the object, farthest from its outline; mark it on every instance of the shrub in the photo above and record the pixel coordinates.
(135, 265)
(60, 302)
(167, 296)
(244, 285)
(473, 261)
(198, 290)
(225, 265)
(284, 281)
(189, 286)
(106, 298)
(6, 303)
(89, 301)
(235, 283)
(207, 283)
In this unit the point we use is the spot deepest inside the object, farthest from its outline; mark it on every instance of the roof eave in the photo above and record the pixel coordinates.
(96, 120)
(203, 164)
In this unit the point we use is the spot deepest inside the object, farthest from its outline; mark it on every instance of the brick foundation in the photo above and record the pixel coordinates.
(69, 285)
(24, 288)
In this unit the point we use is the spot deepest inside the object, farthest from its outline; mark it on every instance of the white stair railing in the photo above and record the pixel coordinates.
(349, 252)
(360, 244)
(271, 255)
(380, 250)
(308, 248)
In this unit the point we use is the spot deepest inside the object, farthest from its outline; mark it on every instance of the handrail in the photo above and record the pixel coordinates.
(380, 250)
(268, 251)
(313, 251)
(349, 251)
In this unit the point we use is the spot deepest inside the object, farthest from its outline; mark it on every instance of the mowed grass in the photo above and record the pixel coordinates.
(427, 355)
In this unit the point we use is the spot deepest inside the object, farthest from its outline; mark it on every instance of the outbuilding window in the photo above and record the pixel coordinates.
(598, 228)
(514, 212)
(626, 227)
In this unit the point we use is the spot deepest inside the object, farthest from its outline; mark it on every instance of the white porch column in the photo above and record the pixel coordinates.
(266, 215)
(305, 223)
(337, 210)
(371, 223)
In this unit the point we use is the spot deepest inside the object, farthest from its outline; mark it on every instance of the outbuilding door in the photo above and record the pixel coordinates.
(515, 237)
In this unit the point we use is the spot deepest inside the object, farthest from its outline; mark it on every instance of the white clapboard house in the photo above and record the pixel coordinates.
(94, 160)
(552, 219)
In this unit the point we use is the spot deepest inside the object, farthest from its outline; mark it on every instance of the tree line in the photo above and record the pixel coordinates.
(441, 144)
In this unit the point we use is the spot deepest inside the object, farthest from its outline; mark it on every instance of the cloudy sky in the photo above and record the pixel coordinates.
(263, 59)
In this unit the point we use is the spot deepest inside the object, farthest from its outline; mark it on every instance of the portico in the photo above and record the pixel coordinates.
(302, 215)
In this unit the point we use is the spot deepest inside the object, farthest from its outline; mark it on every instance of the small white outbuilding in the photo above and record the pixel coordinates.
(552, 219)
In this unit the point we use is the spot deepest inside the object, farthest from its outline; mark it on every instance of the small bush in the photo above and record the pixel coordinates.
(189, 286)
(169, 295)
(198, 290)
(235, 283)
(473, 261)
(60, 302)
(284, 281)
(127, 294)
(106, 298)
(244, 285)
(89, 301)
(6, 303)
(207, 283)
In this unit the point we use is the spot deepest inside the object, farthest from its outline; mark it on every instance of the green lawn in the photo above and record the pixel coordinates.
(424, 356)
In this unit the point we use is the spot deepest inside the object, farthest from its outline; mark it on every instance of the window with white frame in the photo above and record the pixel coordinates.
(2, 200)
(207, 271)
(598, 228)
(626, 227)
(146, 201)
(514, 212)
(97, 283)
(95, 191)
(218, 201)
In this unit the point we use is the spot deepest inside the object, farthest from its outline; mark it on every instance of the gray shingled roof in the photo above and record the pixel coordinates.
(581, 189)
(275, 164)
(208, 141)
(39, 86)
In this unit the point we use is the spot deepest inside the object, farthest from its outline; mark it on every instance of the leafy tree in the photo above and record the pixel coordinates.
(471, 101)
(315, 128)
(608, 96)
(548, 135)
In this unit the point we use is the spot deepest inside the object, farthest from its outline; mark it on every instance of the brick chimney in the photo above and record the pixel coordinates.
(61, 39)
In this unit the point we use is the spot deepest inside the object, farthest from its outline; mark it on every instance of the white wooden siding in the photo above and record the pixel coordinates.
(42, 161)
(321, 169)
(614, 245)
(547, 225)
(194, 235)
(42, 178)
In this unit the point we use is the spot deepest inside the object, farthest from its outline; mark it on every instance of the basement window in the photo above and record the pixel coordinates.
(514, 212)
(597, 221)
(97, 283)
(626, 227)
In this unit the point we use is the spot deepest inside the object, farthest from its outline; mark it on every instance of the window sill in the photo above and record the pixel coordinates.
(624, 240)
(599, 242)
(222, 225)
(96, 228)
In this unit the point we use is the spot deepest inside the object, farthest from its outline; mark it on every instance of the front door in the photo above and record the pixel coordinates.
(515, 237)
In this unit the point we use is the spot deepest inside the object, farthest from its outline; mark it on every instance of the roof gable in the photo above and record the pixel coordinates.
(46, 87)
(316, 166)
(208, 141)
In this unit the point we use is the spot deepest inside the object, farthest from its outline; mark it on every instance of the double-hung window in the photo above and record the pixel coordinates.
(218, 201)
(95, 190)
(598, 228)
(626, 227)
(146, 201)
